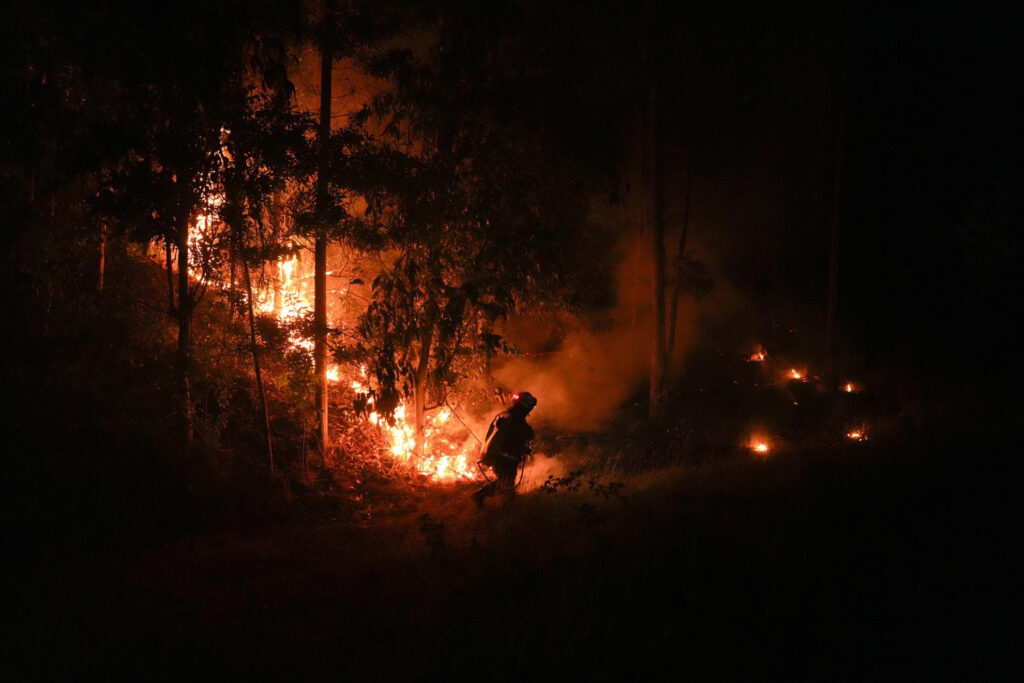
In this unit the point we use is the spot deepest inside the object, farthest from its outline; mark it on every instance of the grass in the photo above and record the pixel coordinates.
(827, 560)
(843, 564)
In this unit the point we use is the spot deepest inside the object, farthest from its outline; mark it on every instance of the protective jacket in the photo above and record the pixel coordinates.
(508, 439)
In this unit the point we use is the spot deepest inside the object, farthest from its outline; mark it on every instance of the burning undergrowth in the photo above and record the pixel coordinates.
(448, 452)
(589, 371)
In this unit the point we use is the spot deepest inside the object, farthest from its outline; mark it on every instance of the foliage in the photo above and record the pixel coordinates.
(493, 170)
(476, 186)
(574, 480)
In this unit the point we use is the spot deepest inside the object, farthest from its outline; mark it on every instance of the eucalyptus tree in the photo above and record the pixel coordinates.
(496, 163)
(340, 28)
(179, 70)
(260, 154)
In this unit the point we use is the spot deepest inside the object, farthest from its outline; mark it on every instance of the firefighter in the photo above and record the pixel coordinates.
(506, 446)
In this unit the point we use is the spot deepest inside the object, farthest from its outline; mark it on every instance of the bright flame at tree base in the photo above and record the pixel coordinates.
(443, 456)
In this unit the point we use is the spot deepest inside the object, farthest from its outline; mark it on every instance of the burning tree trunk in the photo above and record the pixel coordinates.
(420, 385)
(320, 249)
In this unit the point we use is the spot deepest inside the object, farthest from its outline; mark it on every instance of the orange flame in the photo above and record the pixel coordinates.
(443, 457)
(760, 445)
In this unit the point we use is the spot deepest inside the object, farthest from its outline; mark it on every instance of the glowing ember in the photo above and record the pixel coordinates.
(795, 374)
(760, 445)
(851, 387)
(758, 356)
(857, 435)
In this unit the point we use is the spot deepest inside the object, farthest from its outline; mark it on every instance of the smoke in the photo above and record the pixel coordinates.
(539, 468)
(583, 369)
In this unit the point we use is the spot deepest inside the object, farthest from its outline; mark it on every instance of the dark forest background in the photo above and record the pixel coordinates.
(827, 562)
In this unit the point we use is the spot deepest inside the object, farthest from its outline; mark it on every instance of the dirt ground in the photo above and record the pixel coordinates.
(846, 565)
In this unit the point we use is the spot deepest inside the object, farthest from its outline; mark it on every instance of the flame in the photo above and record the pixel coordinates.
(760, 445)
(201, 237)
(443, 457)
(759, 356)
(286, 302)
(857, 435)
(795, 374)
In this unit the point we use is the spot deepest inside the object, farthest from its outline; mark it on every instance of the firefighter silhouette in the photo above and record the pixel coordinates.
(506, 446)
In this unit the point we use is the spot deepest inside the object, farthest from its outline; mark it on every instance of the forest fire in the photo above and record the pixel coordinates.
(285, 284)
(442, 457)
(283, 298)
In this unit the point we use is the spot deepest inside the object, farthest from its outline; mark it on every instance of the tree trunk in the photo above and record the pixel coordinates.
(256, 366)
(320, 341)
(103, 259)
(677, 284)
(320, 249)
(184, 353)
(655, 162)
(485, 332)
(420, 388)
(172, 308)
(832, 320)
(231, 282)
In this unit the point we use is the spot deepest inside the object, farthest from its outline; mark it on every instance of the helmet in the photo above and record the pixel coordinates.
(524, 399)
